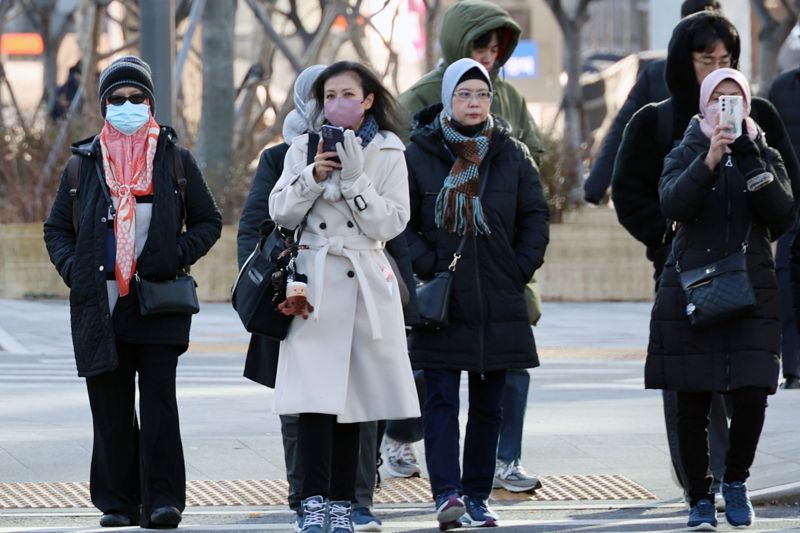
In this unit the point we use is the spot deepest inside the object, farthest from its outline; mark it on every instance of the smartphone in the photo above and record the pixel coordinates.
(330, 136)
(731, 112)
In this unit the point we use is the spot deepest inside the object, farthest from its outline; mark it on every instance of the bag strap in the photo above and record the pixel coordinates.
(74, 178)
(745, 244)
(457, 253)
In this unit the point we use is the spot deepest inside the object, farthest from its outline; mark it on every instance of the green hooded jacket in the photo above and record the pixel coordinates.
(462, 24)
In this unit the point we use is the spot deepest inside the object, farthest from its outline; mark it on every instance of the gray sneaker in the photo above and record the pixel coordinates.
(401, 461)
(513, 478)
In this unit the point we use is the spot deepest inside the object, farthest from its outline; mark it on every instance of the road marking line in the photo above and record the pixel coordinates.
(10, 344)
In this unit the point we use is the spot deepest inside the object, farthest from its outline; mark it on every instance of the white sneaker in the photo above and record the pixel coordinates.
(401, 461)
(513, 478)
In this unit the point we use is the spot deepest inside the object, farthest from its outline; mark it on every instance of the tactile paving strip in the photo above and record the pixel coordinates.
(256, 492)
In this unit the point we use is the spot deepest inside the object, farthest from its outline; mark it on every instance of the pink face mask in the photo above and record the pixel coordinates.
(343, 112)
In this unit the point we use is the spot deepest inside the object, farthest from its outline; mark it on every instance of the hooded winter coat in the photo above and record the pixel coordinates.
(640, 159)
(80, 258)
(489, 327)
(461, 25)
(713, 211)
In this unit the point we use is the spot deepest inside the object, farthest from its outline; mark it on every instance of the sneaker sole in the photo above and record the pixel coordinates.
(397, 473)
(372, 526)
(450, 514)
(469, 522)
(447, 526)
(501, 484)
(705, 526)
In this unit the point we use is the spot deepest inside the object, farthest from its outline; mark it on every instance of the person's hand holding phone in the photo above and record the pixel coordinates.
(722, 137)
(324, 163)
(351, 155)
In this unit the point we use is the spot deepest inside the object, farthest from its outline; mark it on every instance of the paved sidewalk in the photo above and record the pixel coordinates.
(588, 413)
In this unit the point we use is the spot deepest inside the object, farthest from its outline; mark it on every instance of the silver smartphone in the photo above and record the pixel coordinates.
(731, 112)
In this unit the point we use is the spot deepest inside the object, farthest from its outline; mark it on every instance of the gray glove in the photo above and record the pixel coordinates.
(351, 155)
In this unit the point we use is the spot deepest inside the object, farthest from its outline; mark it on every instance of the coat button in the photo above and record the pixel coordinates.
(323, 225)
(101, 268)
(349, 224)
(102, 219)
(350, 274)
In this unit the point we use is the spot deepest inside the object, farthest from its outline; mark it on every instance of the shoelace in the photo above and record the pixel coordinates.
(516, 468)
(313, 515)
(476, 506)
(340, 517)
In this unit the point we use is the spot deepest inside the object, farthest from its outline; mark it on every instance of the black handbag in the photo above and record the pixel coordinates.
(172, 297)
(261, 283)
(433, 295)
(718, 291)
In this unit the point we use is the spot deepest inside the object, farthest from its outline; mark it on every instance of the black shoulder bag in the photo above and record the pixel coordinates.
(718, 291)
(433, 295)
(261, 283)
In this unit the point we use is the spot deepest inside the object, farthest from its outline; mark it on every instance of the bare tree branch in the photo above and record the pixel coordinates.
(279, 41)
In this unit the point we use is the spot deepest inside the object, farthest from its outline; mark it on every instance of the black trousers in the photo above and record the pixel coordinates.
(137, 463)
(329, 454)
(749, 405)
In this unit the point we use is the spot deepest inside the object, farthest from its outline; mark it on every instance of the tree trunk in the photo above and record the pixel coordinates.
(214, 150)
(771, 39)
(573, 158)
(50, 63)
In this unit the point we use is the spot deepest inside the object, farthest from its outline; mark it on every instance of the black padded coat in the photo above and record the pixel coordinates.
(79, 258)
(489, 325)
(713, 211)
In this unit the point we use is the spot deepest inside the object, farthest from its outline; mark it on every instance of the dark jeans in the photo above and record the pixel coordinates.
(515, 401)
(749, 406)
(790, 344)
(442, 431)
(329, 454)
(134, 463)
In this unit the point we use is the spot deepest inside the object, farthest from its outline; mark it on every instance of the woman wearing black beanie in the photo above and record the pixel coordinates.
(132, 208)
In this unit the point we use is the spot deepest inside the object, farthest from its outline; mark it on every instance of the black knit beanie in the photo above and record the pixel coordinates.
(128, 71)
(474, 74)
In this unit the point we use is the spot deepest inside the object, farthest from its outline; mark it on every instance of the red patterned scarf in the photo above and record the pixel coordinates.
(128, 166)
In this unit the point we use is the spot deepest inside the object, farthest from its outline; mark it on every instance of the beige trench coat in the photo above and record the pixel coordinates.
(350, 357)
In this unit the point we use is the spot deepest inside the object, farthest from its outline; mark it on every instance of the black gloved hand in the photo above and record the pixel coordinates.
(747, 154)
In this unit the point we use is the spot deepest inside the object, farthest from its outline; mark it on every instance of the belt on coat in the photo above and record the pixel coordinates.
(344, 246)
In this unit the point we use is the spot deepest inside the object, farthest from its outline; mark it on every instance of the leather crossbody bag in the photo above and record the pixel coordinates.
(718, 291)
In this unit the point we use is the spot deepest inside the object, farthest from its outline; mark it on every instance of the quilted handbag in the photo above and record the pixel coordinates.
(718, 291)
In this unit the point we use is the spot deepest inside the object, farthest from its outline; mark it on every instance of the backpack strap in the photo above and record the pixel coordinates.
(74, 178)
(664, 127)
(179, 177)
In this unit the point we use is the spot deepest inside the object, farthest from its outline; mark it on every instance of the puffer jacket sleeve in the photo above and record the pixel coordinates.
(685, 184)
(203, 218)
(603, 167)
(381, 214)
(774, 204)
(296, 190)
(422, 252)
(778, 138)
(794, 274)
(634, 185)
(59, 234)
(532, 220)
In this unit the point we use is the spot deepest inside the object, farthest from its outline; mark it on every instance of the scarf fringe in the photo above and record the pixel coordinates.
(457, 212)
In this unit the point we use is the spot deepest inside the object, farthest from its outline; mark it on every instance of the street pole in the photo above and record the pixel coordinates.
(157, 38)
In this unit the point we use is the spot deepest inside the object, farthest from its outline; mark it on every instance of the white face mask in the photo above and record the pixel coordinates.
(128, 118)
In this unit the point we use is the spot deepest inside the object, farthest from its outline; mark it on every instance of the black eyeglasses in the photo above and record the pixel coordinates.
(118, 99)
